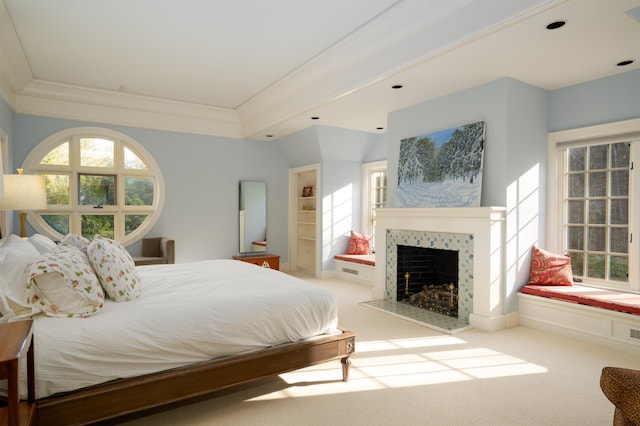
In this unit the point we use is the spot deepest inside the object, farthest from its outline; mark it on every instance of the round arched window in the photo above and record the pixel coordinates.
(98, 181)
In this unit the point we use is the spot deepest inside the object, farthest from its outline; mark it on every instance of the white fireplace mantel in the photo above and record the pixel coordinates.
(486, 224)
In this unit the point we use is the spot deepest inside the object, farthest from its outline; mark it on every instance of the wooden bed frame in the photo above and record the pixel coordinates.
(126, 396)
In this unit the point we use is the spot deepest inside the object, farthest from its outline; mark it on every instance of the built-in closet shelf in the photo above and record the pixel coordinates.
(304, 231)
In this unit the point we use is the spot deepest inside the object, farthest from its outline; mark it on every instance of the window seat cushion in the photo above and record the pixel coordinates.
(600, 298)
(365, 259)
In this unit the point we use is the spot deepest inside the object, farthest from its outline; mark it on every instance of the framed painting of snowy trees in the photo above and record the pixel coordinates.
(442, 169)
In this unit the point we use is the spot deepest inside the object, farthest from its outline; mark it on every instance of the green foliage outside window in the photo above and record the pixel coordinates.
(132, 222)
(59, 222)
(138, 191)
(97, 224)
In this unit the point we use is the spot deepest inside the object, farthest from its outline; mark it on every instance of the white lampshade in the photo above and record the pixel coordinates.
(24, 192)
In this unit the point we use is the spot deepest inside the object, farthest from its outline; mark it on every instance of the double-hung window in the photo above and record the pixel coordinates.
(593, 209)
(374, 186)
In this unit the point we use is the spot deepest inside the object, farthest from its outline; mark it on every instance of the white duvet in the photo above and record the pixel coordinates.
(187, 313)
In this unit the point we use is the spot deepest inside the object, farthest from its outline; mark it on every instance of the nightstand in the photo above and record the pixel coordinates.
(265, 260)
(16, 341)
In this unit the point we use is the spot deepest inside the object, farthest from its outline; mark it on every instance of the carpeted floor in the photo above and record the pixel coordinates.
(407, 374)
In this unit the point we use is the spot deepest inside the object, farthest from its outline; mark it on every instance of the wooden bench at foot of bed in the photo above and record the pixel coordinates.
(603, 317)
(358, 268)
(126, 396)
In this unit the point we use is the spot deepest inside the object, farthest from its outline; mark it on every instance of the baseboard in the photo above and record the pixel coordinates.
(512, 319)
(490, 325)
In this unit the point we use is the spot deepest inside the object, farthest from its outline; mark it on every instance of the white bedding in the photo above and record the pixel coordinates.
(187, 313)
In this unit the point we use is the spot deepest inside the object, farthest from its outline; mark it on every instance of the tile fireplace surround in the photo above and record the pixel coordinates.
(476, 232)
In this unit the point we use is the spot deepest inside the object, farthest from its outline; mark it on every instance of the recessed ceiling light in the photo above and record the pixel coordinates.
(397, 86)
(556, 24)
(625, 63)
(315, 118)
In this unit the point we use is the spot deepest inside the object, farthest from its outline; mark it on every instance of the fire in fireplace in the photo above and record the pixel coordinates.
(428, 278)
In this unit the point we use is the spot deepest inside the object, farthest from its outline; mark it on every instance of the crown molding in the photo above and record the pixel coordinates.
(398, 39)
(401, 38)
(16, 72)
(77, 103)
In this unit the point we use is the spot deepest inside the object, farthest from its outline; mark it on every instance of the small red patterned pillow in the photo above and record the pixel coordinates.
(550, 269)
(359, 243)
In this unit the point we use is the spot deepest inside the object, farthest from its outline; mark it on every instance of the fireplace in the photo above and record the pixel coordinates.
(475, 233)
(458, 246)
(428, 279)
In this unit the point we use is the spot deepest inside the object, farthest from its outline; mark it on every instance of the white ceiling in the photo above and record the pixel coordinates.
(251, 68)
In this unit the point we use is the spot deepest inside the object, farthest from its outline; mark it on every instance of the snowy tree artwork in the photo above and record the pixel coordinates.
(441, 169)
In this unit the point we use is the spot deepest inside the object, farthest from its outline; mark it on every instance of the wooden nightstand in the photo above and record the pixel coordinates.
(272, 261)
(16, 341)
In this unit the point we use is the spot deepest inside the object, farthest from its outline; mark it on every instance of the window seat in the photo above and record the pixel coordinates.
(605, 317)
(590, 296)
(358, 268)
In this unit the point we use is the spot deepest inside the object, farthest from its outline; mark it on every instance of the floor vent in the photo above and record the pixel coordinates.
(355, 272)
(634, 333)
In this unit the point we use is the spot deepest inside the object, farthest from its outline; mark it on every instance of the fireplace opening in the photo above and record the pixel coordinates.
(428, 279)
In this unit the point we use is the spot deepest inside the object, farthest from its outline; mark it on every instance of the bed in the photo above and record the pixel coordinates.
(194, 328)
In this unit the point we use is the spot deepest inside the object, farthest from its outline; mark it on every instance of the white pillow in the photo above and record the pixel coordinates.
(62, 284)
(115, 269)
(16, 254)
(41, 243)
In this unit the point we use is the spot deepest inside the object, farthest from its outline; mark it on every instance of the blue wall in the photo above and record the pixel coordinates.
(202, 172)
(6, 124)
(341, 153)
(518, 118)
(515, 116)
(201, 176)
(600, 101)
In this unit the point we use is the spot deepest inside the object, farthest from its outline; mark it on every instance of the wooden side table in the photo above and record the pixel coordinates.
(16, 341)
(266, 260)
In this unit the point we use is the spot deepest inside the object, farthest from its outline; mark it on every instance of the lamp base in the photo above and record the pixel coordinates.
(23, 224)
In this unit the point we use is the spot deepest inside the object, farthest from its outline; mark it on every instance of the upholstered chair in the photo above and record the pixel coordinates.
(155, 251)
(622, 387)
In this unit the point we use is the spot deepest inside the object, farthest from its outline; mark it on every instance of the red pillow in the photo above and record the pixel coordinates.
(359, 243)
(550, 269)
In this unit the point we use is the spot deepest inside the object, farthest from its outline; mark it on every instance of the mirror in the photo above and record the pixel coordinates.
(253, 217)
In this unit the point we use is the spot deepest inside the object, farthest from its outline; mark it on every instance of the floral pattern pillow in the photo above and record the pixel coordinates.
(550, 269)
(74, 240)
(359, 243)
(62, 284)
(115, 269)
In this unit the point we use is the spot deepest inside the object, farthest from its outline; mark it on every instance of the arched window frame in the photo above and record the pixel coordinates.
(32, 165)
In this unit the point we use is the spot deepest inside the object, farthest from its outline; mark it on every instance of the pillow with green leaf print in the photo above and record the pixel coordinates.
(115, 269)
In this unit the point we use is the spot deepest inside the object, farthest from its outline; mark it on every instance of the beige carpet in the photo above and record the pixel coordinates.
(406, 374)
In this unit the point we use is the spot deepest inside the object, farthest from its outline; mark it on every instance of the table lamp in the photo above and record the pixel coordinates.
(23, 192)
